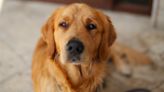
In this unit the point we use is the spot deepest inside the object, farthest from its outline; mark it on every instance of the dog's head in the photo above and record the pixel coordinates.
(78, 34)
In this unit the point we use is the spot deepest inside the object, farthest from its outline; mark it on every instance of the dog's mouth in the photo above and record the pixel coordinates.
(74, 59)
(74, 50)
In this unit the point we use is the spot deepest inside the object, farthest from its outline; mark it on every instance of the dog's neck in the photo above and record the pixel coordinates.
(82, 75)
(76, 73)
(78, 76)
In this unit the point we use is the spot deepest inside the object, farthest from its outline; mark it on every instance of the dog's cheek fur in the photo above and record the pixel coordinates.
(63, 57)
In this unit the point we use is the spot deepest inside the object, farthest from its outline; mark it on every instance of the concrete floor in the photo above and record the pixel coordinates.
(20, 23)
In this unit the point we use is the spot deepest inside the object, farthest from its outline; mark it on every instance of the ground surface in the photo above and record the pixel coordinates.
(20, 24)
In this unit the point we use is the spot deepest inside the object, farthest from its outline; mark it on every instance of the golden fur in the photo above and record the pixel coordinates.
(52, 72)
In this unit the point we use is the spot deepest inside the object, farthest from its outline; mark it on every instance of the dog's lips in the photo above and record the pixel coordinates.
(75, 58)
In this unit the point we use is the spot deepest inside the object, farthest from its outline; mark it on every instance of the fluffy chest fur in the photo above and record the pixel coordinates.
(78, 78)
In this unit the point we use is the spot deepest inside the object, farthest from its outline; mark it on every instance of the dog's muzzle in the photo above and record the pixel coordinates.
(74, 49)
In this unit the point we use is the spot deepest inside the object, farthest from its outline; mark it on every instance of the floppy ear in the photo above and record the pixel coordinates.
(111, 32)
(48, 35)
(107, 38)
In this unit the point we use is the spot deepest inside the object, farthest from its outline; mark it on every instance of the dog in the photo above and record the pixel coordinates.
(73, 51)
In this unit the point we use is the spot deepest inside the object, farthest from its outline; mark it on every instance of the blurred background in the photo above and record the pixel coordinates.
(139, 24)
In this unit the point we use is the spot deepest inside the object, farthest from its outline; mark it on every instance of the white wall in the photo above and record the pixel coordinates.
(160, 23)
(157, 17)
(1, 2)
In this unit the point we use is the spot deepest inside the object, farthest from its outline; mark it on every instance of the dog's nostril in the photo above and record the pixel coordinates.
(79, 50)
(70, 48)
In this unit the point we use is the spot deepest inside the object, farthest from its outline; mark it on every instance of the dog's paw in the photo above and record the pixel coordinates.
(125, 70)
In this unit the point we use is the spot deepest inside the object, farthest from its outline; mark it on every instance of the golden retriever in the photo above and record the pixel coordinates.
(73, 50)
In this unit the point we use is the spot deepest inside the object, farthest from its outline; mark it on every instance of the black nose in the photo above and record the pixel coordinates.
(75, 47)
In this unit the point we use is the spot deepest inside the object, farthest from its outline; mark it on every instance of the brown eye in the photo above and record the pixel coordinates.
(63, 24)
(91, 26)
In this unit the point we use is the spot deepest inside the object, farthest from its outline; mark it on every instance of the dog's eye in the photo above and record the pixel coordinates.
(91, 26)
(63, 24)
